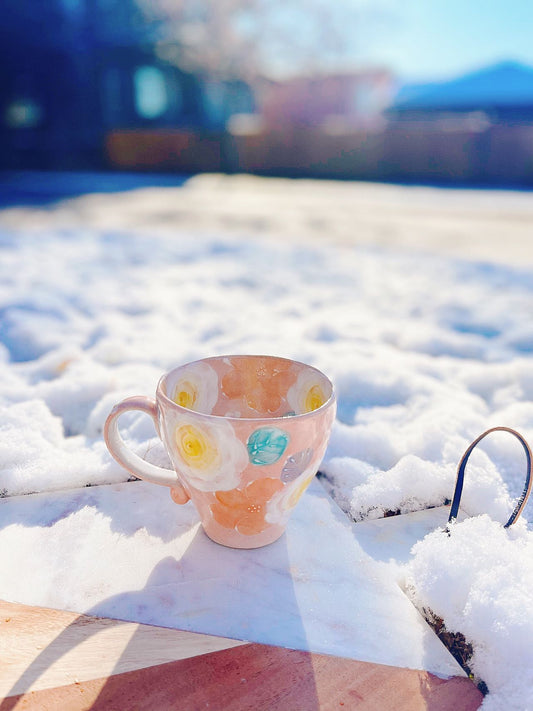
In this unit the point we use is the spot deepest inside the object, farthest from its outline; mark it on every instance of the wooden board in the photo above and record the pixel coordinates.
(55, 660)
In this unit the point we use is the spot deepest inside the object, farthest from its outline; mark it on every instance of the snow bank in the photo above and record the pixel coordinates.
(425, 352)
(479, 580)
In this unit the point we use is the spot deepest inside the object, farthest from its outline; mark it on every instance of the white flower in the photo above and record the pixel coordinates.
(307, 393)
(196, 388)
(208, 454)
(280, 506)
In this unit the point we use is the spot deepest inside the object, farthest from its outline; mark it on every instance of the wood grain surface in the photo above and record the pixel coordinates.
(54, 660)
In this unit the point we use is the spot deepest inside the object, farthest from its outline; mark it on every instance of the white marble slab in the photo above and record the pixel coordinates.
(127, 551)
(389, 540)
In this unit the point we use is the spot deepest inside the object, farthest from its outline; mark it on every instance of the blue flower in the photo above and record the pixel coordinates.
(266, 445)
(296, 464)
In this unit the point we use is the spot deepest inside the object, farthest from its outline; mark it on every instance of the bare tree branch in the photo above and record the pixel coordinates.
(241, 38)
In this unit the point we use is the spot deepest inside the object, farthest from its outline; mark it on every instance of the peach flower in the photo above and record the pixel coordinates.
(245, 509)
(261, 386)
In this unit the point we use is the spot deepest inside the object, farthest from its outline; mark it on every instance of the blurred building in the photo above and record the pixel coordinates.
(499, 94)
(74, 72)
(477, 128)
(353, 100)
(84, 84)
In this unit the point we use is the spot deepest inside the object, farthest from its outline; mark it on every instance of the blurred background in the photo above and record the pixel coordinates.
(413, 91)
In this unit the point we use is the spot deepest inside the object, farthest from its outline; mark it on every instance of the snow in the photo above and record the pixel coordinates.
(479, 580)
(426, 351)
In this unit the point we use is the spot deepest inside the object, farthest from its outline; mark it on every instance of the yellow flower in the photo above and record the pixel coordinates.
(195, 447)
(207, 454)
(297, 492)
(196, 388)
(185, 394)
(307, 394)
(283, 502)
(314, 398)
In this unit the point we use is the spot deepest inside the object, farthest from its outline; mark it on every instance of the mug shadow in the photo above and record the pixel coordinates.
(237, 594)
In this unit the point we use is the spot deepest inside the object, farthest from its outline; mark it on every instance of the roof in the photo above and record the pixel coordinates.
(506, 85)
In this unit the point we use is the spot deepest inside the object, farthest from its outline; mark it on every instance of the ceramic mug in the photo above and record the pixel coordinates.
(245, 435)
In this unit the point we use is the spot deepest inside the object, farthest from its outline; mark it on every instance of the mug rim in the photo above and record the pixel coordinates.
(160, 393)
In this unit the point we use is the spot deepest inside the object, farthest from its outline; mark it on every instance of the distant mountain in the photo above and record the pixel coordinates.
(506, 84)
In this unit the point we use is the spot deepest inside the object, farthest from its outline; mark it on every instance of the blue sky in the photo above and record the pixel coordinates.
(436, 39)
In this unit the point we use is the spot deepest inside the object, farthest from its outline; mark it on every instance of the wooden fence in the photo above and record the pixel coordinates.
(499, 154)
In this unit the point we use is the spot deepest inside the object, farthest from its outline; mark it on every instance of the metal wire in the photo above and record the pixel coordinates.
(454, 510)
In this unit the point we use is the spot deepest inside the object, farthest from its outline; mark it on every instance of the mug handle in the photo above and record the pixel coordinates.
(131, 461)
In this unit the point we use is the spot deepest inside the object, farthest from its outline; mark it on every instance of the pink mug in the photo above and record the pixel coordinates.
(245, 435)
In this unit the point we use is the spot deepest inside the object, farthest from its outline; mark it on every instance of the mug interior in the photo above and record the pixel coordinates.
(247, 386)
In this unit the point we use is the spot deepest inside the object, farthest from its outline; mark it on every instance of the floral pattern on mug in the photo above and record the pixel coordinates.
(307, 393)
(244, 509)
(280, 506)
(260, 386)
(295, 465)
(197, 388)
(209, 454)
(266, 445)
